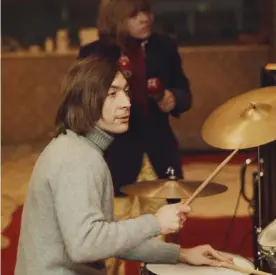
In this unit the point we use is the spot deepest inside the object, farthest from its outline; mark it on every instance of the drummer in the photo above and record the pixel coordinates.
(67, 223)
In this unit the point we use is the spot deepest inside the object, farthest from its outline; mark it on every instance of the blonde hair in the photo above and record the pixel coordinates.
(113, 16)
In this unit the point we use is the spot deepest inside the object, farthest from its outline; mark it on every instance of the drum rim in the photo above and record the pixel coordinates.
(267, 248)
(228, 253)
(239, 256)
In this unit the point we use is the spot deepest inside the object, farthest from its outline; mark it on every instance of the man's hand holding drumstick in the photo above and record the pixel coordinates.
(205, 254)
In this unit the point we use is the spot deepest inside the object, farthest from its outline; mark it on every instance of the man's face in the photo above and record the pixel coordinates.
(140, 26)
(116, 107)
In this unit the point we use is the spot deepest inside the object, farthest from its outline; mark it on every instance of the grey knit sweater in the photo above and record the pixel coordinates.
(67, 222)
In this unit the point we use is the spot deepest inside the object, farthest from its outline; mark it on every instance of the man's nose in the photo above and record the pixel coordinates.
(144, 17)
(124, 100)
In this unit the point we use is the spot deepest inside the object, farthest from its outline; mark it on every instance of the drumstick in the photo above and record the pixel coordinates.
(244, 269)
(211, 176)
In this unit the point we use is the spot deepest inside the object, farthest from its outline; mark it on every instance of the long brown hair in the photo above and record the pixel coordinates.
(113, 16)
(84, 90)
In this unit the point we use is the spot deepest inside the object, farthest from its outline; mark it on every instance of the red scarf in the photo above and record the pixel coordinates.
(138, 78)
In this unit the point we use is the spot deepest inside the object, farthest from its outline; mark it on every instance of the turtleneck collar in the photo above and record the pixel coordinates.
(100, 138)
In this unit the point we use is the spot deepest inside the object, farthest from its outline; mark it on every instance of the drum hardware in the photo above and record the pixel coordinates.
(171, 188)
(246, 121)
(171, 176)
(255, 205)
(267, 245)
(243, 122)
(240, 266)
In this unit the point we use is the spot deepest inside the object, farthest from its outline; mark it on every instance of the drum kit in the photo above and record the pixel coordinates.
(243, 122)
(183, 269)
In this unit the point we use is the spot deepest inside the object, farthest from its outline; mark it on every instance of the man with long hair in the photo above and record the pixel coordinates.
(67, 223)
(125, 30)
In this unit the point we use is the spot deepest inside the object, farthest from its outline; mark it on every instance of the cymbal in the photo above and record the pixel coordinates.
(171, 189)
(245, 121)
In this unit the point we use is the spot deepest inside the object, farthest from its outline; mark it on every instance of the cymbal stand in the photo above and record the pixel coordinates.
(171, 175)
(255, 203)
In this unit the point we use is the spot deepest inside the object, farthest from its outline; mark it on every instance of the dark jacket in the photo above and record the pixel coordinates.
(151, 134)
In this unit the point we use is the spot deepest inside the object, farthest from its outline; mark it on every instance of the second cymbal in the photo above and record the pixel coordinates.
(171, 189)
(245, 121)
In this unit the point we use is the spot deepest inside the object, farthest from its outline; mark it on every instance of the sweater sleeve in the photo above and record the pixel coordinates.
(154, 251)
(177, 82)
(88, 236)
(84, 51)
